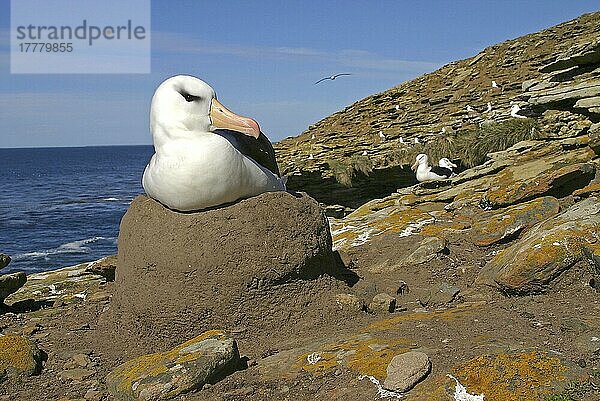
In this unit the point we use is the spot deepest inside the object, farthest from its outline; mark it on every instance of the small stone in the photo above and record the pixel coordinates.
(349, 300)
(10, 283)
(426, 251)
(406, 370)
(4, 260)
(100, 296)
(58, 303)
(82, 360)
(383, 303)
(443, 294)
(31, 329)
(77, 374)
(93, 395)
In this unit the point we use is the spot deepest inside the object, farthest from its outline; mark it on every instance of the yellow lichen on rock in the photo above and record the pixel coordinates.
(521, 376)
(19, 356)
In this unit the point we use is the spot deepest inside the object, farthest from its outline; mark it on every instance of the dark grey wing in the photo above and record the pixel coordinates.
(322, 79)
(260, 150)
(441, 171)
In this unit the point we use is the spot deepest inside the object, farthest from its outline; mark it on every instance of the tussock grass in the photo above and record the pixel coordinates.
(472, 146)
(345, 171)
(469, 146)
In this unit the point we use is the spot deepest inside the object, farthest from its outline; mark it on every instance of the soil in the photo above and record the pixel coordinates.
(479, 321)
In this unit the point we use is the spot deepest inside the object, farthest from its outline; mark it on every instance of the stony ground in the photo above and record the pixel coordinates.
(493, 274)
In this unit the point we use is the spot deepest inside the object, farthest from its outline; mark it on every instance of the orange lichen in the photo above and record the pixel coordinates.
(367, 356)
(511, 377)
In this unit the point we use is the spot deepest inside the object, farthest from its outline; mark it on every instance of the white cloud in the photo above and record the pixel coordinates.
(169, 42)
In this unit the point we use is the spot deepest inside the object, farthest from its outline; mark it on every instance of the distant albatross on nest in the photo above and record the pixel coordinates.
(205, 155)
(425, 172)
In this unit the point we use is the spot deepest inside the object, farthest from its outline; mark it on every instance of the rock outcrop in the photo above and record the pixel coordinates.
(263, 262)
(547, 250)
(10, 283)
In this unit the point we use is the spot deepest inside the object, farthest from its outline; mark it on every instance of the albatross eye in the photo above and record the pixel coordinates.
(190, 98)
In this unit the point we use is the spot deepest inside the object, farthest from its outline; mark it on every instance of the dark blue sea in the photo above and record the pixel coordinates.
(63, 206)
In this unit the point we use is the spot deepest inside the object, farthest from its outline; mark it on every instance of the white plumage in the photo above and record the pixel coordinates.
(193, 167)
(425, 172)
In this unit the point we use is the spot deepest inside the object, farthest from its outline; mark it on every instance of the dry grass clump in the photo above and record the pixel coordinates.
(472, 146)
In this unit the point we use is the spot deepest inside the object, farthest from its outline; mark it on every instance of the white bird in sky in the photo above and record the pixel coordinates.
(332, 77)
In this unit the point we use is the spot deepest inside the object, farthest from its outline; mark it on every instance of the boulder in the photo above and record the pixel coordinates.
(440, 295)
(260, 263)
(492, 227)
(10, 283)
(532, 263)
(427, 250)
(383, 303)
(4, 260)
(406, 370)
(189, 366)
(19, 357)
(104, 267)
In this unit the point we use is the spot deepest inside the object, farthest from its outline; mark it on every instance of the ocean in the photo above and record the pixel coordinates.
(63, 206)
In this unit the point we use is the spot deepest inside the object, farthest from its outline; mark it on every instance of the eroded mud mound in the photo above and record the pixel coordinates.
(261, 265)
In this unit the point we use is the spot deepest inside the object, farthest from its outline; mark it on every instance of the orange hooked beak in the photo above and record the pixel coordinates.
(224, 118)
(415, 166)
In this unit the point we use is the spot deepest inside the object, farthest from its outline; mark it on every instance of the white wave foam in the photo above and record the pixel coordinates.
(74, 247)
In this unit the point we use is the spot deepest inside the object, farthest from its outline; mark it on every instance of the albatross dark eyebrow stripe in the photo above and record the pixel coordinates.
(188, 97)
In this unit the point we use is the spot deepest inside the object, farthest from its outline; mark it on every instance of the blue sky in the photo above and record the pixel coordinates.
(262, 58)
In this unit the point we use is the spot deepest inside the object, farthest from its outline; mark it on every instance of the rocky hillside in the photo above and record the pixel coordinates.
(420, 109)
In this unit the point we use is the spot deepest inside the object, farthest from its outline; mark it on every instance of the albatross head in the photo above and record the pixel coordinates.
(446, 163)
(421, 159)
(184, 105)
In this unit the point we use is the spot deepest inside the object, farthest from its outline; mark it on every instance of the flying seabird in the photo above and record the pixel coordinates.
(205, 155)
(331, 77)
(514, 111)
(425, 172)
(446, 163)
